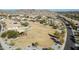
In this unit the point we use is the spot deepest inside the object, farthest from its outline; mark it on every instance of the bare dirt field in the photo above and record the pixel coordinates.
(36, 33)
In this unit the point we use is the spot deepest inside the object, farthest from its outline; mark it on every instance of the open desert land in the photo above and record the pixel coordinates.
(36, 33)
(36, 30)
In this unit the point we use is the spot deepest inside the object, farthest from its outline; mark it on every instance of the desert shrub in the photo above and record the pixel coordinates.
(10, 34)
(38, 17)
(44, 49)
(18, 48)
(47, 48)
(35, 44)
(27, 16)
(12, 43)
(50, 48)
(3, 35)
(57, 34)
(54, 26)
(25, 24)
(42, 21)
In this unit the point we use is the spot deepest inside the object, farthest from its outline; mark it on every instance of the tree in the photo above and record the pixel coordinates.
(3, 35)
(10, 34)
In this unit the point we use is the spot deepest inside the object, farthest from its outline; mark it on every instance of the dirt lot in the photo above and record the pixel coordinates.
(36, 33)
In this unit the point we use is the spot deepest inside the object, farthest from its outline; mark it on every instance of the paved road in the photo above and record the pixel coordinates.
(69, 43)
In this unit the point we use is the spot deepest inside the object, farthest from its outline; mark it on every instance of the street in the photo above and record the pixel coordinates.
(69, 43)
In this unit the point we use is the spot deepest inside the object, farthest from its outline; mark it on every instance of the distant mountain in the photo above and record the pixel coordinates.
(32, 10)
(64, 10)
(28, 11)
(36, 11)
